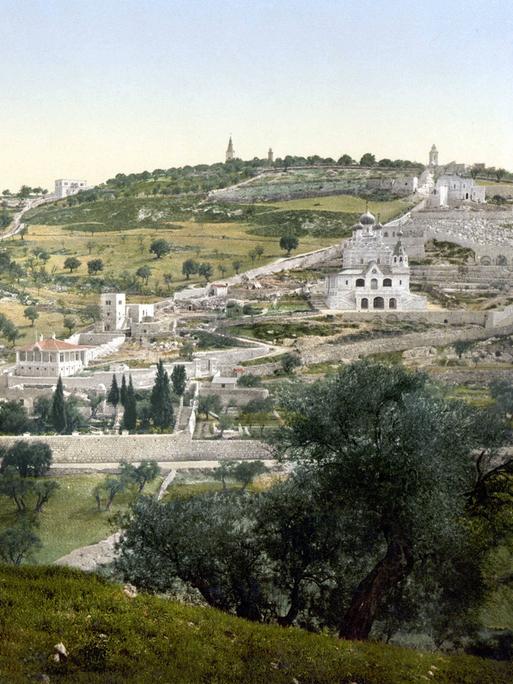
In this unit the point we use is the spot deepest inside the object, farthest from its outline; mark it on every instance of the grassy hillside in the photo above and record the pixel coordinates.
(116, 639)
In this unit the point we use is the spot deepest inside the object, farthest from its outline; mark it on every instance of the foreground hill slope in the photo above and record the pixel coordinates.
(113, 638)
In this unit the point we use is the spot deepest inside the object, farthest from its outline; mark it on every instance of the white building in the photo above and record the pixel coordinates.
(374, 276)
(51, 358)
(217, 290)
(67, 186)
(114, 311)
(451, 190)
(117, 315)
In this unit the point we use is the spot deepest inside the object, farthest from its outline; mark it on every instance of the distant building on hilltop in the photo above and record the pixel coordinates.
(66, 186)
(433, 156)
(374, 276)
(230, 152)
(452, 190)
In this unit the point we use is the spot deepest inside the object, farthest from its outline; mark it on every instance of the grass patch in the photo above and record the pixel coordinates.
(70, 518)
(112, 638)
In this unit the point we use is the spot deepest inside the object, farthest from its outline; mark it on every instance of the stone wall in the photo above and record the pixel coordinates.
(315, 350)
(434, 317)
(458, 376)
(174, 448)
(500, 317)
(237, 395)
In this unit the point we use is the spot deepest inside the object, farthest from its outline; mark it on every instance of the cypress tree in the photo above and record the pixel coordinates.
(113, 396)
(161, 406)
(58, 411)
(123, 392)
(179, 379)
(130, 415)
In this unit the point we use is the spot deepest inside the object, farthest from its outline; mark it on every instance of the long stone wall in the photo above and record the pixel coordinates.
(314, 351)
(237, 395)
(430, 317)
(174, 448)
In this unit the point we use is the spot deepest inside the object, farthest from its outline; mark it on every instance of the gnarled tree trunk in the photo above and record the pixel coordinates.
(392, 569)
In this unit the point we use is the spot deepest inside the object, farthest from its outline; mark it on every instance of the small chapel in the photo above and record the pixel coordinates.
(374, 276)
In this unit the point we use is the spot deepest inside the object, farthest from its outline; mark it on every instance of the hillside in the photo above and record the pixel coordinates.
(113, 638)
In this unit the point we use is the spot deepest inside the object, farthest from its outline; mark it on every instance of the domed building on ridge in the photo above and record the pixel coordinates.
(375, 276)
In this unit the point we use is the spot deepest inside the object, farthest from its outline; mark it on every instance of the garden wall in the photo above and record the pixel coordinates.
(174, 448)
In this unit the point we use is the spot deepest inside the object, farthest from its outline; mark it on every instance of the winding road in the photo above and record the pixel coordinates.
(16, 225)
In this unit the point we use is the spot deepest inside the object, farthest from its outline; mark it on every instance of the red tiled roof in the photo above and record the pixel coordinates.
(51, 344)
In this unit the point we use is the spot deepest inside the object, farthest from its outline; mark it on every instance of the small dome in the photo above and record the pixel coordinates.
(367, 219)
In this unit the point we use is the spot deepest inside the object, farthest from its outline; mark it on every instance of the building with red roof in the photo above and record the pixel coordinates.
(52, 357)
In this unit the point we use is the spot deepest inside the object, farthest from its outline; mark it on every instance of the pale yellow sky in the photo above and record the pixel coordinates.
(90, 90)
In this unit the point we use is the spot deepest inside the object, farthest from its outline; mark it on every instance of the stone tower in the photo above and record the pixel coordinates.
(433, 156)
(230, 153)
(270, 157)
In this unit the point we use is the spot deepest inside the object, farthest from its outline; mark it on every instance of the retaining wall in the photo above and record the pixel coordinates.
(238, 395)
(442, 317)
(174, 448)
(314, 351)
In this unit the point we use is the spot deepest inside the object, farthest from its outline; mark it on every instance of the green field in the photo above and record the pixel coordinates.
(348, 204)
(70, 518)
(116, 639)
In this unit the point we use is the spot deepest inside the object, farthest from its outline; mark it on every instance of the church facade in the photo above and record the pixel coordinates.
(375, 276)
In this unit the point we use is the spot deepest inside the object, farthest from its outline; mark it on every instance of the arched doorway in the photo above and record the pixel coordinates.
(392, 304)
(378, 303)
(365, 303)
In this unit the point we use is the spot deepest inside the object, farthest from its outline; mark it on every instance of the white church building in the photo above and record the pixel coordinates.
(375, 276)
(451, 190)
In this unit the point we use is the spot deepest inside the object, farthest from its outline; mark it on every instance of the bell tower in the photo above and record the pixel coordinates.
(230, 153)
(433, 156)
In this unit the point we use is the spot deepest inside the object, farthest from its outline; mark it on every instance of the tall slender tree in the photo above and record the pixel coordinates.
(161, 406)
(113, 395)
(130, 415)
(123, 391)
(58, 412)
(179, 379)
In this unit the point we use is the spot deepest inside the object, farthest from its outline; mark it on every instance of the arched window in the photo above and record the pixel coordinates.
(365, 303)
(360, 282)
(379, 303)
(387, 282)
(374, 284)
(392, 304)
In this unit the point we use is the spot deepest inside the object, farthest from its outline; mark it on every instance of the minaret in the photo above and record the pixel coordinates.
(230, 154)
(433, 156)
(270, 157)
